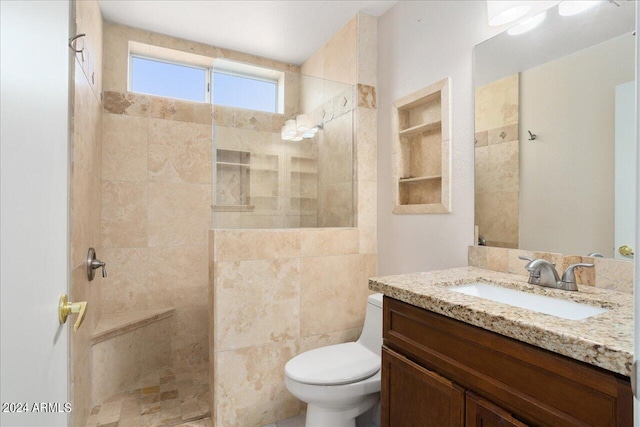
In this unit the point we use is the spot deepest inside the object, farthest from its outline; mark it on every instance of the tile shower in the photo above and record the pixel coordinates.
(209, 216)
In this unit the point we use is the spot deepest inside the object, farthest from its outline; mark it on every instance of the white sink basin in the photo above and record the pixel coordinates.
(540, 303)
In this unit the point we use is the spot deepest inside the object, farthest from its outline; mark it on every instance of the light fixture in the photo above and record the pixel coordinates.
(303, 122)
(527, 24)
(289, 130)
(299, 128)
(502, 12)
(574, 7)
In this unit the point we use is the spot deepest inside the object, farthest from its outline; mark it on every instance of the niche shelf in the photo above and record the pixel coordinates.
(422, 147)
(232, 181)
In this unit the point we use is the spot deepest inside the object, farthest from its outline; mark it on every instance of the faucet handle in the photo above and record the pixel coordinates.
(569, 275)
(525, 258)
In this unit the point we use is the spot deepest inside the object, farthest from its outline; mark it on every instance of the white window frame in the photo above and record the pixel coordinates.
(218, 65)
(275, 81)
(254, 72)
(207, 75)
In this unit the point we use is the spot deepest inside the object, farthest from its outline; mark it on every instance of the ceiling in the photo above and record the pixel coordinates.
(288, 31)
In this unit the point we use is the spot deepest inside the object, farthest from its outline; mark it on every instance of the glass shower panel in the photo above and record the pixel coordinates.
(266, 178)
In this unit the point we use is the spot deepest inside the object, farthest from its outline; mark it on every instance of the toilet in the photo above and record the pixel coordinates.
(340, 382)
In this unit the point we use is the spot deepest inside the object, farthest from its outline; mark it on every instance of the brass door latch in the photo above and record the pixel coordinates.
(65, 308)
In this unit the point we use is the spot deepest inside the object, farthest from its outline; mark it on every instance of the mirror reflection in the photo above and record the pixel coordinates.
(555, 133)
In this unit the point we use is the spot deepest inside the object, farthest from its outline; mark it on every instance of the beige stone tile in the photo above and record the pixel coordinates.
(129, 103)
(366, 144)
(89, 21)
(178, 276)
(255, 120)
(553, 258)
(367, 216)
(114, 367)
(179, 152)
(238, 245)
(125, 146)
(366, 96)
(482, 139)
(85, 173)
(250, 389)
(224, 116)
(498, 228)
(497, 104)
(584, 276)
(153, 347)
(340, 55)
(498, 259)
(516, 265)
(498, 169)
(179, 214)
(314, 65)
(367, 49)
(614, 274)
(125, 288)
(477, 257)
(332, 302)
(124, 214)
(256, 302)
(332, 241)
(503, 134)
(185, 111)
(329, 338)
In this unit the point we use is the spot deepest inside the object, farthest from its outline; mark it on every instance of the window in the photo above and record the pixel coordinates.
(251, 93)
(158, 71)
(168, 79)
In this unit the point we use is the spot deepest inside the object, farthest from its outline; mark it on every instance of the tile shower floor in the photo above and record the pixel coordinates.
(167, 397)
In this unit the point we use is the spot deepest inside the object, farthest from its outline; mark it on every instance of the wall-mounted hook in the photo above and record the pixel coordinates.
(72, 45)
(532, 136)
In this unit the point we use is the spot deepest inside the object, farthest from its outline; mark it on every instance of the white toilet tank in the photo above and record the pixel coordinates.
(371, 336)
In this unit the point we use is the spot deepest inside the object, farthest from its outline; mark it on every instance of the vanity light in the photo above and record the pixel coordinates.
(502, 12)
(527, 24)
(298, 129)
(303, 122)
(289, 130)
(574, 7)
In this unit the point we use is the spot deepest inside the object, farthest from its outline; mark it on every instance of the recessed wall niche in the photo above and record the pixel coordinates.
(421, 129)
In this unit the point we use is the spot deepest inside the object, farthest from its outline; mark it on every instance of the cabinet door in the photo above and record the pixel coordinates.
(482, 413)
(413, 396)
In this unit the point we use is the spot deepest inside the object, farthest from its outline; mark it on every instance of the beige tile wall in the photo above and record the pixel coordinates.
(277, 293)
(497, 167)
(156, 197)
(116, 48)
(85, 202)
(608, 273)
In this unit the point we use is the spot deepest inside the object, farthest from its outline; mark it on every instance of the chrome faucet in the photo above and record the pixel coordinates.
(543, 273)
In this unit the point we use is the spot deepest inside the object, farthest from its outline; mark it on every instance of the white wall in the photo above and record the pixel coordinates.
(419, 43)
(569, 105)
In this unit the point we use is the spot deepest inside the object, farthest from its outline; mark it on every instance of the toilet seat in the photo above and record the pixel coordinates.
(333, 365)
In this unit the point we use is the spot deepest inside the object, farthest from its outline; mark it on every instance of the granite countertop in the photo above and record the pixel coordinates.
(604, 340)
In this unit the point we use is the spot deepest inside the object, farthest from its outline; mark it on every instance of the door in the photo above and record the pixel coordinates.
(482, 413)
(33, 211)
(625, 169)
(414, 396)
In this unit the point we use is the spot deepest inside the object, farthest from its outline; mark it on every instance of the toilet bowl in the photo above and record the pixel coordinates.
(340, 382)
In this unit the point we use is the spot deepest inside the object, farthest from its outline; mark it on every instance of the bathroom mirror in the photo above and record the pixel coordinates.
(555, 132)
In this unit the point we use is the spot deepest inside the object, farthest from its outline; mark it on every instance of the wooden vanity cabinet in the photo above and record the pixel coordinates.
(437, 371)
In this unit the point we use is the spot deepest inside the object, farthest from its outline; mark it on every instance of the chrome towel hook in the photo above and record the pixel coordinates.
(72, 45)
(532, 136)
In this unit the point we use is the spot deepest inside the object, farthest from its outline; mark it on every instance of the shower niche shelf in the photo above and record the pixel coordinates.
(421, 123)
(233, 182)
(303, 185)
